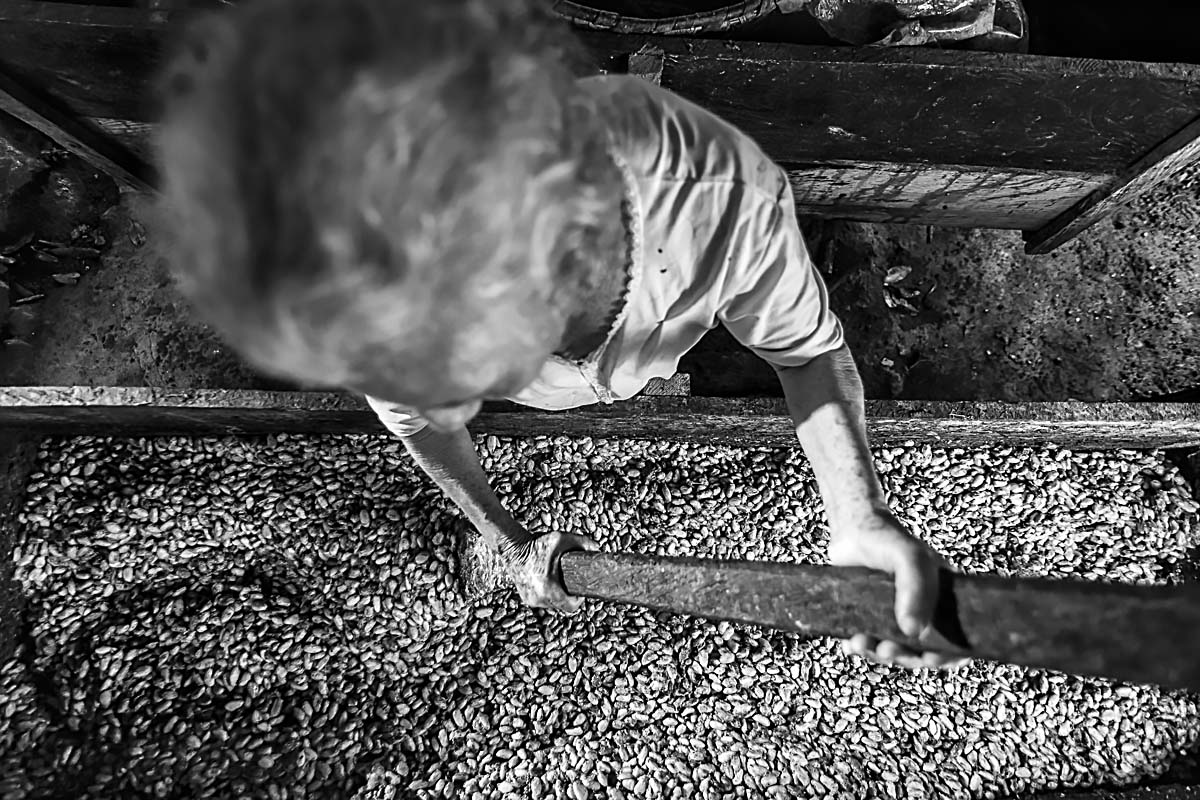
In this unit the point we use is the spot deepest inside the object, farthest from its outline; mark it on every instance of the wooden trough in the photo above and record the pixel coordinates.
(1047, 146)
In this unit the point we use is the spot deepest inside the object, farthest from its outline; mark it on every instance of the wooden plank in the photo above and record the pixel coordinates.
(931, 194)
(924, 106)
(121, 411)
(137, 137)
(646, 64)
(678, 385)
(1109, 630)
(953, 195)
(905, 105)
(927, 136)
(1155, 167)
(96, 61)
(75, 135)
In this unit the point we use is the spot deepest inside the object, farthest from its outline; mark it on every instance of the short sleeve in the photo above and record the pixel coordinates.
(399, 419)
(775, 302)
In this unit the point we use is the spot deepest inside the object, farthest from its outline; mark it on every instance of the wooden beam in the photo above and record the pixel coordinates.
(952, 195)
(925, 136)
(124, 411)
(96, 61)
(137, 137)
(802, 103)
(955, 195)
(75, 135)
(1155, 167)
(925, 106)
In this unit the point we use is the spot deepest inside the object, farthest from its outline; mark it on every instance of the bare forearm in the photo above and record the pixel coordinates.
(450, 460)
(825, 400)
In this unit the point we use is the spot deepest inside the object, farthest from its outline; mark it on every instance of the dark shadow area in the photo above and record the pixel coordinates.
(1155, 30)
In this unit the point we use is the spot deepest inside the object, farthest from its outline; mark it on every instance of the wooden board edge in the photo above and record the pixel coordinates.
(76, 135)
(946, 195)
(1157, 166)
(124, 411)
(617, 45)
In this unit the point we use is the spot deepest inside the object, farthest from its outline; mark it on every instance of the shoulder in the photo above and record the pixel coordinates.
(665, 136)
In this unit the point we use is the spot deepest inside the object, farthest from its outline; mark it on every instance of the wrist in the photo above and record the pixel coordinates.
(849, 522)
(510, 538)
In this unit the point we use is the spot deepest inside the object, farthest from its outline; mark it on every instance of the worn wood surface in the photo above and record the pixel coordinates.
(806, 104)
(754, 421)
(934, 137)
(98, 61)
(927, 106)
(1116, 631)
(75, 135)
(1152, 169)
(934, 194)
(137, 137)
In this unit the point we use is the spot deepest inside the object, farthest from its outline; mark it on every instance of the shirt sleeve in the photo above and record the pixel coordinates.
(774, 301)
(399, 419)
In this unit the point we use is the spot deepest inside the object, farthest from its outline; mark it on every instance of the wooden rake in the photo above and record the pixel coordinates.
(1140, 634)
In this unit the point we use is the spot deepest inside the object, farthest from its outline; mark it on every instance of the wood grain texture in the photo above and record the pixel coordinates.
(137, 137)
(646, 64)
(937, 194)
(875, 191)
(926, 136)
(907, 105)
(96, 61)
(678, 385)
(75, 135)
(1176, 153)
(1108, 630)
(756, 421)
(926, 106)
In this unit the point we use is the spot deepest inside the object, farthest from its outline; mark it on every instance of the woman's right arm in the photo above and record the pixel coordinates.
(451, 462)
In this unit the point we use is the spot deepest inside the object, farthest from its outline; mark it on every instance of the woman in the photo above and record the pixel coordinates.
(419, 202)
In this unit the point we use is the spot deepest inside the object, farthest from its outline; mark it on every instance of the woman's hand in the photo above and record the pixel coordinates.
(880, 542)
(532, 563)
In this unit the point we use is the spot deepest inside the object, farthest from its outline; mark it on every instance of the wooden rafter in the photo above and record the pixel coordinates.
(75, 135)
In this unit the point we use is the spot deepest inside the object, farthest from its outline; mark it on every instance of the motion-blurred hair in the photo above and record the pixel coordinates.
(354, 183)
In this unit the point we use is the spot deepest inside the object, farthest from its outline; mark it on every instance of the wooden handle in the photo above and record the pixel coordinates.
(1132, 633)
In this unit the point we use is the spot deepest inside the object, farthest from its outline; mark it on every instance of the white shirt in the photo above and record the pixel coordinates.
(715, 240)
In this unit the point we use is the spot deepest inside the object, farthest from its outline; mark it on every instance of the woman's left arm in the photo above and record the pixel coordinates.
(825, 400)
